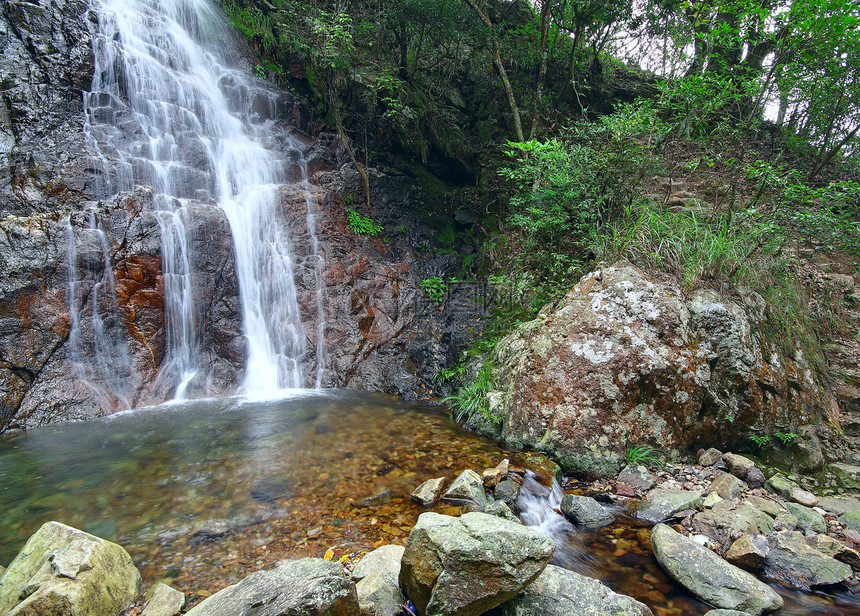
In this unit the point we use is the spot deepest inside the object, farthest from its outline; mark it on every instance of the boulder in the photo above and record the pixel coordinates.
(725, 520)
(637, 476)
(738, 465)
(465, 566)
(780, 484)
(162, 600)
(793, 562)
(726, 486)
(377, 585)
(307, 586)
(467, 488)
(710, 457)
(839, 551)
(62, 570)
(661, 503)
(384, 558)
(500, 509)
(745, 553)
(764, 504)
(785, 521)
(428, 492)
(626, 355)
(709, 577)
(585, 511)
(711, 499)
(508, 491)
(559, 592)
(803, 497)
(807, 519)
(755, 478)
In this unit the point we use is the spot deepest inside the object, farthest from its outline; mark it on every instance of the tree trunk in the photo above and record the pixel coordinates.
(503, 75)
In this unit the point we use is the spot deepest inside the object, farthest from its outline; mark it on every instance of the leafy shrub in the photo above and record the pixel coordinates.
(470, 399)
(760, 441)
(643, 454)
(436, 288)
(362, 225)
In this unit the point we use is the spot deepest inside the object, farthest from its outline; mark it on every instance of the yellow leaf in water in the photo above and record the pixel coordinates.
(329, 554)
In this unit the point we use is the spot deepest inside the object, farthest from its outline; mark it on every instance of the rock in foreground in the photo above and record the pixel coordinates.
(709, 577)
(310, 586)
(559, 592)
(62, 571)
(465, 566)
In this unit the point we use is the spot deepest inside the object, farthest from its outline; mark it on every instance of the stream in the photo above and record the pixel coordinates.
(202, 493)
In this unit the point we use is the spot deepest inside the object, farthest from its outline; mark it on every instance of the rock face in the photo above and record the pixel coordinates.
(709, 577)
(61, 570)
(308, 586)
(46, 64)
(559, 592)
(465, 566)
(626, 355)
(64, 236)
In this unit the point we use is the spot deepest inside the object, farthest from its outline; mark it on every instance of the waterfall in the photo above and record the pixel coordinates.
(171, 108)
(101, 359)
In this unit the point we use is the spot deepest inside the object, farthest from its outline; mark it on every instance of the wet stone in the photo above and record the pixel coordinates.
(764, 504)
(467, 487)
(793, 562)
(585, 511)
(726, 486)
(507, 491)
(738, 465)
(745, 553)
(661, 503)
(428, 492)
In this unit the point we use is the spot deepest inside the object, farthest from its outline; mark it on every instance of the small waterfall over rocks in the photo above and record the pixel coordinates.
(171, 108)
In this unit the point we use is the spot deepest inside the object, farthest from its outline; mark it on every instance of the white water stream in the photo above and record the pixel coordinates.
(171, 108)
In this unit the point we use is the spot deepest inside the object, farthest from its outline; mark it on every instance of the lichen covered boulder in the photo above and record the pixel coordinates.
(311, 586)
(625, 355)
(62, 571)
(465, 566)
(559, 592)
(709, 577)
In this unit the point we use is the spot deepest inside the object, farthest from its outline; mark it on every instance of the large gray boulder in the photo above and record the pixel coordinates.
(793, 562)
(62, 571)
(465, 566)
(708, 576)
(377, 581)
(310, 587)
(626, 355)
(661, 503)
(559, 592)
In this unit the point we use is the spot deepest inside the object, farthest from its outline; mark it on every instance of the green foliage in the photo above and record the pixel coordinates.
(785, 437)
(362, 225)
(567, 188)
(470, 399)
(760, 441)
(436, 288)
(642, 454)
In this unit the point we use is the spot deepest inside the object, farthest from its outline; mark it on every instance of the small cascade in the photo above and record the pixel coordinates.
(170, 108)
(99, 354)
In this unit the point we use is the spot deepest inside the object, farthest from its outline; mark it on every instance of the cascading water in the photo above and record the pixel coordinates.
(101, 358)
(169, 109)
